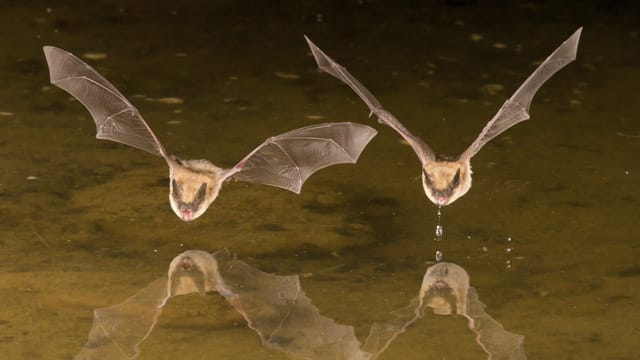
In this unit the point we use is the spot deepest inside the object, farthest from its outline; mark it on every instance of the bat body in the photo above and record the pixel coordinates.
(445, 181)
(284, 161)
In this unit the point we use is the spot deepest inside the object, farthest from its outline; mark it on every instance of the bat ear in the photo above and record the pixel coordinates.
(456, 177)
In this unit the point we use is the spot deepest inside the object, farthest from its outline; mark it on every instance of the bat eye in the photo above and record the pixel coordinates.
(176, 159)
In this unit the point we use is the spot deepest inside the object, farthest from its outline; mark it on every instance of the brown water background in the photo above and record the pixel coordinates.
(547, 233)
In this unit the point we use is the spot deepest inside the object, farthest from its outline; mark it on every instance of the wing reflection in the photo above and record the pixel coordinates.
(277, 308)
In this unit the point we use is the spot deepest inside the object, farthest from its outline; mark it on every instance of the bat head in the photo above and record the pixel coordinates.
(444, 288)
(446, 181)
(194, 185)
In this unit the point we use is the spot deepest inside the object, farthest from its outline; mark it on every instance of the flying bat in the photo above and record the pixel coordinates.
(447, 179)
(284, 161)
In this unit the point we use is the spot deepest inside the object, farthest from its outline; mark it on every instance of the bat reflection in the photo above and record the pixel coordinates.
(275, 307)
(445, 290)
(283, 316)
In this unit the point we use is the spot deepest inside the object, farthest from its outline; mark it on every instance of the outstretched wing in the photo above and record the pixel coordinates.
(516, 109)
(287, 160)
(116, 119)
(327, 65)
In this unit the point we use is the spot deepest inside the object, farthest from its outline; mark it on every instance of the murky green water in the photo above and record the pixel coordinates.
(86, 223)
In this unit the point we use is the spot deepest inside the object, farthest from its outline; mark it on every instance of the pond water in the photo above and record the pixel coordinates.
(546, 234)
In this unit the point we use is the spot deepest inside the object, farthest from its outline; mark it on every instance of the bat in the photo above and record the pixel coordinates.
(277, 308)
(446, 179)
(284, 161)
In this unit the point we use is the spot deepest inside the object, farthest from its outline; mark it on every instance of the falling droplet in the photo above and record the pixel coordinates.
(508, 250)
(439, 229)
(438, 255)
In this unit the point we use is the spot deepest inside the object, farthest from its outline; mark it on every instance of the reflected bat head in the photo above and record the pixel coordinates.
(194, 185)
(444, 289)
(446, 181)
(193, 271)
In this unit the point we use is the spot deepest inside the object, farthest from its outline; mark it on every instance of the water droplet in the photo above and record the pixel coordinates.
(484, 249)
(507, 264)
(439, 229)
(508, 250)
(438, 255)
(508, 239)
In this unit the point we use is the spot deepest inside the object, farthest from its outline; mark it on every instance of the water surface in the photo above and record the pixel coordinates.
(547, 233)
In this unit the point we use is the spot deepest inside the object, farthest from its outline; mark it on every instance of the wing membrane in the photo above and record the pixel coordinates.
(289, 159)
(328, 65)
(516, 109)
(116, 119)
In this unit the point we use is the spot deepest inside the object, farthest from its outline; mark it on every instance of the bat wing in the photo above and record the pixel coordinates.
(116, 119)
(328, 65)
(287, 160)
(516, 109)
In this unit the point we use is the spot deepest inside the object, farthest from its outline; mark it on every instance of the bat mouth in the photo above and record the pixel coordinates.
(186, 214)
(440, 285)
(442, 200)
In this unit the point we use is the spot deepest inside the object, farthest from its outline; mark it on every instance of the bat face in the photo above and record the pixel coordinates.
(194, 185)
(446, 181)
